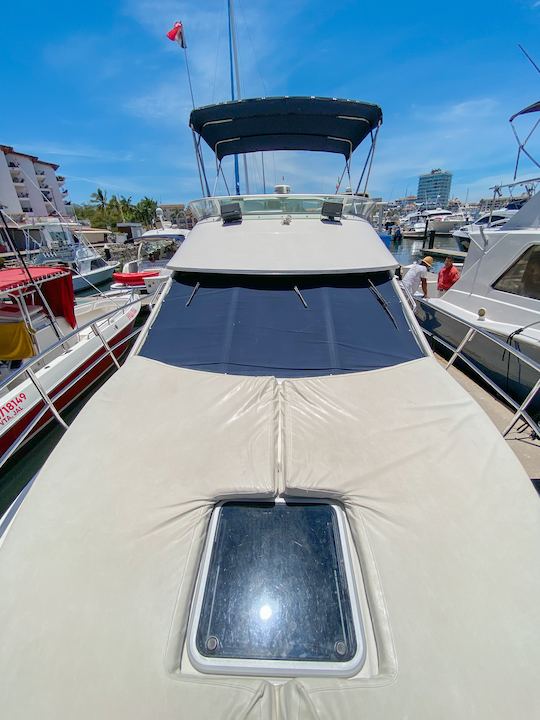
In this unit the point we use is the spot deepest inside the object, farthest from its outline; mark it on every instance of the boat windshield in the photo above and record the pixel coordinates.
(283, 326)
(305, 205)
(60, 235)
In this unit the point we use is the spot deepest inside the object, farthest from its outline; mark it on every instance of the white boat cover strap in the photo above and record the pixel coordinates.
(98, 568)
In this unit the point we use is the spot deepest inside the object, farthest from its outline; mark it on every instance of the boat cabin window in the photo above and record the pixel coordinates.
(276, 593)
(523, 277)
(487, 219)
(282, 326)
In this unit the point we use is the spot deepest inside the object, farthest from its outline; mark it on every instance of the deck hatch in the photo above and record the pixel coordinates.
(275, 594)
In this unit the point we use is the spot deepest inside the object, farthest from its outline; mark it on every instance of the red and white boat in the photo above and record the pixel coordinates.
(51, 349)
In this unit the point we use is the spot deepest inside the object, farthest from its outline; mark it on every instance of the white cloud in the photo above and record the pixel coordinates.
(164, 103)
(56, 149)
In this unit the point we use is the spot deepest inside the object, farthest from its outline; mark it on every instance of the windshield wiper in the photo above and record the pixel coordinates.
(197, 286)
(297, 291)
(383, 302)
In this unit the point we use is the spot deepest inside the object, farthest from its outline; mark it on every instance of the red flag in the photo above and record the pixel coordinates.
(176, 34)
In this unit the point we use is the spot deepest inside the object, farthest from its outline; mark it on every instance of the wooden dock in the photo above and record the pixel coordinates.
(441, 253)
(520, 439)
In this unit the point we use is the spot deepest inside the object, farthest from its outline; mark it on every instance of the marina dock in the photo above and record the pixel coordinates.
(524, 445)
(441, 253)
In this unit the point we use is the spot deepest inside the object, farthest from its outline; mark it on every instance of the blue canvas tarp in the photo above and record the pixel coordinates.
(246, 325)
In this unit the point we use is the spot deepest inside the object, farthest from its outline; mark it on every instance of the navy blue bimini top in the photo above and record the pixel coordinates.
(259, 325)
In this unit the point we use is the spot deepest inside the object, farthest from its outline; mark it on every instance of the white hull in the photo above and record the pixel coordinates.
(96, 277)
(20, 399)
(444, 227)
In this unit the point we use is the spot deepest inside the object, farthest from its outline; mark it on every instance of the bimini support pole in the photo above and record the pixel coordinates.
(369, 161)
(198, 162)
(200, 165)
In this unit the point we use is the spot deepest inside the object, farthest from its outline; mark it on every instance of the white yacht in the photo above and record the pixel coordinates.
(494, 218)
(499, 292)
(271, 527)
(440, 220)
(60, 243)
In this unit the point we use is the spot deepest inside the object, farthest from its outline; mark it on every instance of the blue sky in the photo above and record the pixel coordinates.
(98, 88)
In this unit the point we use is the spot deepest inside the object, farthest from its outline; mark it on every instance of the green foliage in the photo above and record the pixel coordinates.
(107, 213)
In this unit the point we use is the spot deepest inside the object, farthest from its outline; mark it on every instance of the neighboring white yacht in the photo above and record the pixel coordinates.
(498, 291)
(290, 510)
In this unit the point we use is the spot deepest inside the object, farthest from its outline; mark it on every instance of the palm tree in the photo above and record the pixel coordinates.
(99, 198)
(114, 205)
(146, 210)
(126, 207)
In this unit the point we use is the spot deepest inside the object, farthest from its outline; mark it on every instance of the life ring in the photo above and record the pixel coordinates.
(136, 278)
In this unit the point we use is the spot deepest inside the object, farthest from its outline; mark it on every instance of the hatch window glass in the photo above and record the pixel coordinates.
(523, 277)
(276, 592)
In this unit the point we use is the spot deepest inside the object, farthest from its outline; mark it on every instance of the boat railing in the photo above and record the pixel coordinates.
(276, 204)
(50, 398)
(458, 351)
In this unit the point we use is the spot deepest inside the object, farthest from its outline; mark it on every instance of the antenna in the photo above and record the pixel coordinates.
(529, 58)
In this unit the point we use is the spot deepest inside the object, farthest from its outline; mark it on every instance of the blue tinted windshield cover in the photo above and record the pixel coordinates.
(283, 326)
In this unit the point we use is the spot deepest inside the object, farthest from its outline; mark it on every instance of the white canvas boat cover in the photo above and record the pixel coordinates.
(97, 570)
(266, 246)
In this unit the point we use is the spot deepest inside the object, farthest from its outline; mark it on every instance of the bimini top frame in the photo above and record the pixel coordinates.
(285, 123)
(534, 108)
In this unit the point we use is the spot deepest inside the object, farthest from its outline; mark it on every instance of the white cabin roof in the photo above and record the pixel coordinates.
(285, 244)
(98, 568)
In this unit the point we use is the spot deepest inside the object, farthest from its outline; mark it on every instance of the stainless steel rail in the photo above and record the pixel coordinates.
(50, 398)
(457, 352)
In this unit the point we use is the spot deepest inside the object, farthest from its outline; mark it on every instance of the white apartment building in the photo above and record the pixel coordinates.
(30, 187)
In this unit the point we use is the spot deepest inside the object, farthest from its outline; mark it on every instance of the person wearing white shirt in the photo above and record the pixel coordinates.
(416, 275)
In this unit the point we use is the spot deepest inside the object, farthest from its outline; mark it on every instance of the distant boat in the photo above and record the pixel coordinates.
(438, 219)
(495, 218)
(60, 243)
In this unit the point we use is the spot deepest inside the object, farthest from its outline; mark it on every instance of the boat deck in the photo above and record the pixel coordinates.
(526, 448)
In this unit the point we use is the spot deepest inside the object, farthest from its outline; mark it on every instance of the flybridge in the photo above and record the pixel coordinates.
(285, 123)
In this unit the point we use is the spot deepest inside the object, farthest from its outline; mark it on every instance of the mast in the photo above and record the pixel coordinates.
(235, 74)
(236, 173)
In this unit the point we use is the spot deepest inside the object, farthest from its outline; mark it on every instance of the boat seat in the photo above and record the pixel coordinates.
(9, 312)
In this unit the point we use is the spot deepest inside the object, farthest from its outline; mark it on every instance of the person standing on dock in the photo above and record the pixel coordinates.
(416, 275)
(448, 276)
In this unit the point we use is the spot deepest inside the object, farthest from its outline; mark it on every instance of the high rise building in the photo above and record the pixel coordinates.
(434, 187)
(30, 187)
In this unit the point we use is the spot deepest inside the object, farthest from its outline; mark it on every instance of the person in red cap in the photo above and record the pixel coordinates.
(448, 276)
